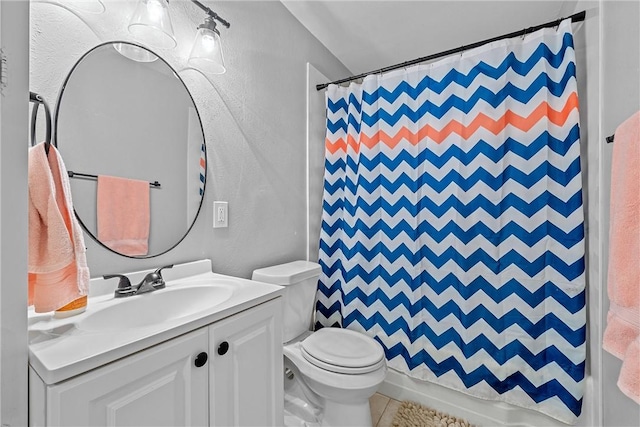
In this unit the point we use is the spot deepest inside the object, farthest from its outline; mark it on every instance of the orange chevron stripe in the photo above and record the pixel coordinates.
(509, 118)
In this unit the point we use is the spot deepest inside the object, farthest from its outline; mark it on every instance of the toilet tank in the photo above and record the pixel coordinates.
(300, 279)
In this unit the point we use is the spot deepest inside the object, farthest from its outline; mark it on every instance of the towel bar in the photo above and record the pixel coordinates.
(37, 101)
(72, 174)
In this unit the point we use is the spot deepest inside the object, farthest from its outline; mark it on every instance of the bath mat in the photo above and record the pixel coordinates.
(412, 414)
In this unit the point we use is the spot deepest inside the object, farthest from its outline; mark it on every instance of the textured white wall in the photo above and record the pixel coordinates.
(316, 130)
(253, 116)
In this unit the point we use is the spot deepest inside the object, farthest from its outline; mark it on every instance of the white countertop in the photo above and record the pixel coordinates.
(60, 349)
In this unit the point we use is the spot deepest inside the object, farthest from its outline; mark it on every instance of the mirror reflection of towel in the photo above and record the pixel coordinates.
(123, 214)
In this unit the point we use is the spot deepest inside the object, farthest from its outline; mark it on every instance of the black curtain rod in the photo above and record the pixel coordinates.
(577, 17)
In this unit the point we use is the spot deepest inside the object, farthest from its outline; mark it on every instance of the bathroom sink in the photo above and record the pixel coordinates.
(154, 308)
(113, 328)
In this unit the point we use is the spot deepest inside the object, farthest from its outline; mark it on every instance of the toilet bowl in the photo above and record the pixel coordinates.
(330, 374)
(341, 383)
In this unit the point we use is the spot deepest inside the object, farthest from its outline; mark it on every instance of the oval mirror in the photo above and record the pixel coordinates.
(124, 112)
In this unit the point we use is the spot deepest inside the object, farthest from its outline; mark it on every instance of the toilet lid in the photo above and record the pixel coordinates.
(343, 351)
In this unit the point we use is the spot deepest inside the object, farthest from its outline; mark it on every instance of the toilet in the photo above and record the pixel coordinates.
(330, 374)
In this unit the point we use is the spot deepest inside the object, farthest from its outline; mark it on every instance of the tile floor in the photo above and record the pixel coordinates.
(383, 409)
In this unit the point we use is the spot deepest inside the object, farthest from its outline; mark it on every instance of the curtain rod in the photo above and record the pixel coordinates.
(577, 17)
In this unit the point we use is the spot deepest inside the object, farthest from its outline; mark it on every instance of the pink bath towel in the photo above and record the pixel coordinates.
(58, 272)
(622, 334)
(123, 214)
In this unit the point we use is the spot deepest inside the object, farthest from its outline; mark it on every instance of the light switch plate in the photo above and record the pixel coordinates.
(220, 214)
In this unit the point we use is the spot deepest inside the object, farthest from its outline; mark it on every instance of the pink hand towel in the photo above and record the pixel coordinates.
(123, 214)
(621, 336)
(58, 272)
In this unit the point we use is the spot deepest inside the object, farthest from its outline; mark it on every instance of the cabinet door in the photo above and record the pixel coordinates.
(160, 386)
(246, 372)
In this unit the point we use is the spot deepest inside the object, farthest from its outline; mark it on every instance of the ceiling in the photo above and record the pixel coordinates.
(369, 35)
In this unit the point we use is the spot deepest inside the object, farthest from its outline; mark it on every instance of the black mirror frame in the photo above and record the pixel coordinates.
(204, 144)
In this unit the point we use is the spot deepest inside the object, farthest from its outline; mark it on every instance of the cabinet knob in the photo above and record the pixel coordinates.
(223, 348)
(201, 359)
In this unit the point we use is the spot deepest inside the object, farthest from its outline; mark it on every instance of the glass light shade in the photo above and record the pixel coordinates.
(206, 53)
(134, 53)
(151, 24)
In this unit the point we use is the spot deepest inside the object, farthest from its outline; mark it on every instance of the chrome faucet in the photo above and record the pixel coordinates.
(151, 282)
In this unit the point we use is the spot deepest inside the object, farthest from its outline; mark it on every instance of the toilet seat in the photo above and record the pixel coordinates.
(342, 351)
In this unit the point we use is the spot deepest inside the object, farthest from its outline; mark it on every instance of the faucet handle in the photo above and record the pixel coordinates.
(124, 285)
(159, 270)
(161, 283)
(155, 279)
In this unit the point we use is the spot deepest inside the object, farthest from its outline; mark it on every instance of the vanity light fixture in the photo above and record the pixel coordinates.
(136, 53)
(206, 53)
(151, 24)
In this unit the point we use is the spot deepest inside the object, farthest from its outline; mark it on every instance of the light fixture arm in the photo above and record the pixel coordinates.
(212, 14)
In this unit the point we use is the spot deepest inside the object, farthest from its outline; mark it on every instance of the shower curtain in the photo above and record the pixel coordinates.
(452, 224)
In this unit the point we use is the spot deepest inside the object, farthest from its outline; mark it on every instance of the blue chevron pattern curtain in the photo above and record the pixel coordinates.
(452, 224)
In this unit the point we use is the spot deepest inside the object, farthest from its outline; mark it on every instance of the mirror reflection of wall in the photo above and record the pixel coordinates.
(129, 119)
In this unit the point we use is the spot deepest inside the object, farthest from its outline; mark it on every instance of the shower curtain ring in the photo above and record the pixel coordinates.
(558, 23)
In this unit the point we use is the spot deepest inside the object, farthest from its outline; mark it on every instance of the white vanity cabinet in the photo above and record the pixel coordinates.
(245, 377)
(171, 384)
(160, 386)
